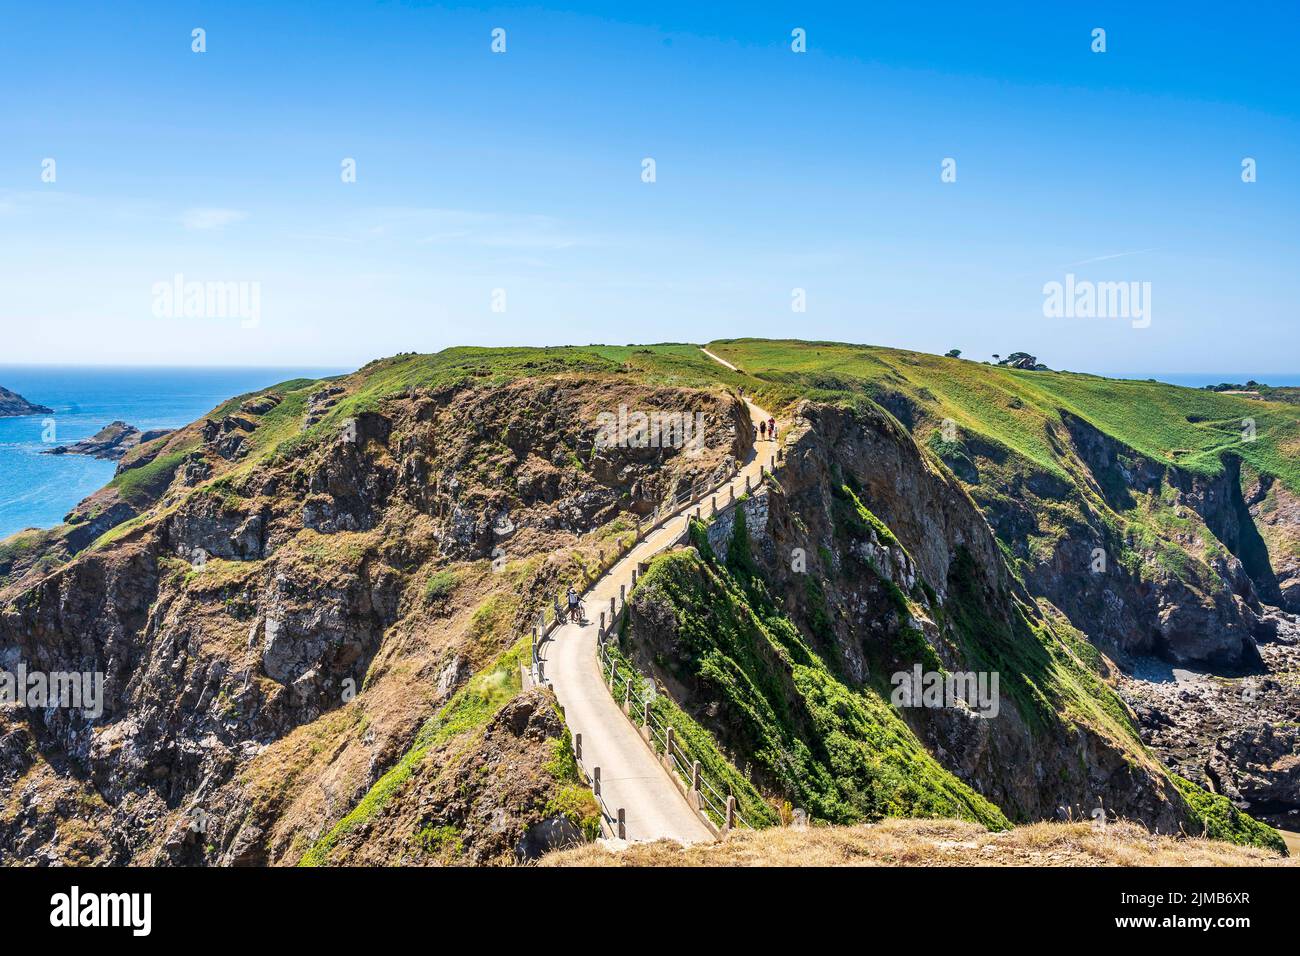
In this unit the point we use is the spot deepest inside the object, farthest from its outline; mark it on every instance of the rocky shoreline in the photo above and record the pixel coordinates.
(111, 442)
(1239, 735)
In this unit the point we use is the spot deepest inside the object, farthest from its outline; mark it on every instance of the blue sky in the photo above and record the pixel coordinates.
(775, 171)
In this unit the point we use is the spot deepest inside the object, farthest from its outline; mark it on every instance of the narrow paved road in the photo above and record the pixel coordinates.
(631, 776)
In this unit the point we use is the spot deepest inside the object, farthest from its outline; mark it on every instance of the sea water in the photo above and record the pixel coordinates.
(37, 490)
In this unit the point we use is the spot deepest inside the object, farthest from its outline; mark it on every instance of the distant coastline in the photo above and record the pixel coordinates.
(13, 405)
(37, 489)
(1202, 379)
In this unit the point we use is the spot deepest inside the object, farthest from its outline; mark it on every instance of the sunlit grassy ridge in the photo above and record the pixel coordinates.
(1018, 410)
(1021, 410)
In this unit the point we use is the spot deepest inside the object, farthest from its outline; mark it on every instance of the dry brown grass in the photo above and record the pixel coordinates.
(930, 843)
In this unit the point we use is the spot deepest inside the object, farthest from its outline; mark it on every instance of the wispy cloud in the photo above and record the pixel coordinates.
(1113, 255)
(432, 226)
(211, 218)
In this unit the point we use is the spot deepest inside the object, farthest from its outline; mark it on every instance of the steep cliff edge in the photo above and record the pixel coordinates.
(307, 609)
(317, 586)
(785, 633)
(1160, 520)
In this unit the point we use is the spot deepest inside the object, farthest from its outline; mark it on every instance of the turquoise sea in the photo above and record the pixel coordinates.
(37, 490)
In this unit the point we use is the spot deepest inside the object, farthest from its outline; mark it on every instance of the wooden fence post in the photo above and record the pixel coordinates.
(731, 812)
(577, 746)
(622, 824)
(595, 780)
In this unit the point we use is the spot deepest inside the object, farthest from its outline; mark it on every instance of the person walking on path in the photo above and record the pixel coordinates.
(762, 430)
(771, 428)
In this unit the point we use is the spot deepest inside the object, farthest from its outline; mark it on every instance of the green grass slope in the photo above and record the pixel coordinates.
(844, 755)
(1021, 410)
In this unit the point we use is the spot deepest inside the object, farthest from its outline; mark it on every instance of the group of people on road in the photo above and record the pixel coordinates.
(767, 429)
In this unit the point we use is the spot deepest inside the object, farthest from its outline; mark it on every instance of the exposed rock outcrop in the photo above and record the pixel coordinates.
(13, 405)
(920, 580)
(1235, 736)
(111, 442)
(1141, 555)
(267, 645)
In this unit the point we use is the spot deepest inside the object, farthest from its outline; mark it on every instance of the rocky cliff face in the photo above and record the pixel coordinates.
(922, 582)
(275, 621)
(1161, 566)
(304, 609)
(1144, 557)
(1275, 511)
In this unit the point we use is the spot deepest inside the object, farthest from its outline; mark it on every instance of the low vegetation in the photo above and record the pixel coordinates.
(932, 843)
(1021, 410)
(469, 710)
(841, 754)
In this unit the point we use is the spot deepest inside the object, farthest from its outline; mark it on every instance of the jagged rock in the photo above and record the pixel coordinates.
(196, 470)
(319, 403)
(553, 833)
(111, 442)
(1233, 736)
(261, 404)
(211, 527)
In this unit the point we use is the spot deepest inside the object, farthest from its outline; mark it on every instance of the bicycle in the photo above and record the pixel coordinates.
(578, 613)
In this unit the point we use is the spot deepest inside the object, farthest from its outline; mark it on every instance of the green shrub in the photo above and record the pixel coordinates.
(441, 584)
(1214, 816)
